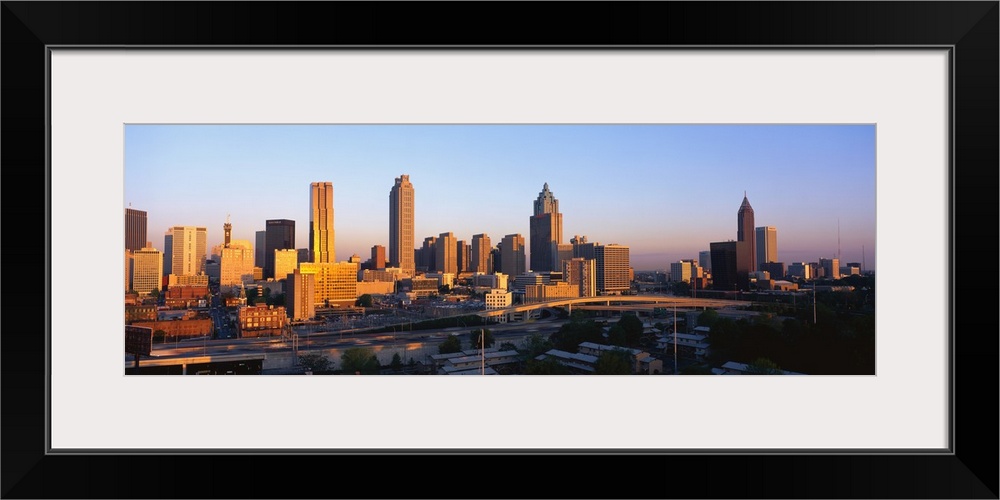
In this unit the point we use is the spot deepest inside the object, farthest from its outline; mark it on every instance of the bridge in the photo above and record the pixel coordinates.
(637, 303)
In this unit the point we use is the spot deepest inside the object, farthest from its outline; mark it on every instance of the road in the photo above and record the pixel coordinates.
(321, 340)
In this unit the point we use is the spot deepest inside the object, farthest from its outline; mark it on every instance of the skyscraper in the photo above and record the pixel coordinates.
(612, 266)
(705, 259)
(190, 245)
(481, 248)
(767, 245)
(378, 257)
(831, 267)
(464, 253)
(285, 262)
(582, 274)
(321, 235)
(168, 252)
(401, 219)
(280, 236)
(300, 295)
(545, 228)
(512, 255)
(730, 263)
(745, 232)
(428, 254)
(135, 229)
(147, 270)
(446, 257)
(236, 266)
(260, 248)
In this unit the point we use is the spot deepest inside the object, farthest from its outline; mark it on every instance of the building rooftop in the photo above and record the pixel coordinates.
(602, 347)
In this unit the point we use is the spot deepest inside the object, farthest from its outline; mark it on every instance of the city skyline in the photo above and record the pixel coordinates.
(665, 191)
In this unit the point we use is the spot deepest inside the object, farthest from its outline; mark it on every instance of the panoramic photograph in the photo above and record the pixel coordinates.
(562, 249)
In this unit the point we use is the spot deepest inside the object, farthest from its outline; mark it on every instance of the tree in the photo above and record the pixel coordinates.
(533, 345)
(251, 296)
(359, 360)
(547, 366)
(364, 300)
(159, 336)
(627, 331)
(725, 339)
(614, 362)
(397, 362)
(444, 289)
(450, 345)
(314, 362)
(578, 329)
(475, 341)
(681, 289)
(708, 318)
(277, 299)
(155, 293)
(616, 336)
(763, 366)
(507, 346)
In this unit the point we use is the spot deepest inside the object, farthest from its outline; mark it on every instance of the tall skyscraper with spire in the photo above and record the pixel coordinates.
(401, 220)
(545, 228)
(321, 236)
(745, 232)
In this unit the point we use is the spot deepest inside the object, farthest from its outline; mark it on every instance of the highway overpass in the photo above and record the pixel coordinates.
(638, 303)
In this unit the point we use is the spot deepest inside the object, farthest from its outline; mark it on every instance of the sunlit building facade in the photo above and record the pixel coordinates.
(767, 245)
(190, 245)
(336, 282)
(147, 270)
(545, 229)
(300, 295)
(401, 225)
(321, 234)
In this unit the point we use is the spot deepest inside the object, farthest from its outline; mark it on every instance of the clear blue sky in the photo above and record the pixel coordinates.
(666, 191)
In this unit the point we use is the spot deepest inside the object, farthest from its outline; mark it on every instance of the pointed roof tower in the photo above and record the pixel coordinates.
(746, 204)
(546, 201)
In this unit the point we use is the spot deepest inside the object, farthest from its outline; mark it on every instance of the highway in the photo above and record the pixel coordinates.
(330, 340)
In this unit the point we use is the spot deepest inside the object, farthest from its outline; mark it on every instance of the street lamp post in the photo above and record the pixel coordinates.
(675, 338)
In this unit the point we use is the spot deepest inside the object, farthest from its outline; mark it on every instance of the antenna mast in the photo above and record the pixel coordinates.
(838, 239)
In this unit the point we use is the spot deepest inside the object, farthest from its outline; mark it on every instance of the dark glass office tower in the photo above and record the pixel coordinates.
(280, 235)
(135, 229)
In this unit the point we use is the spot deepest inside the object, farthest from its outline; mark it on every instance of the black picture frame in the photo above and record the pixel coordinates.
(971, 28)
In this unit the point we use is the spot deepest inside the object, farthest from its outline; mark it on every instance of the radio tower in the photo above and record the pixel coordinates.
(838, 240)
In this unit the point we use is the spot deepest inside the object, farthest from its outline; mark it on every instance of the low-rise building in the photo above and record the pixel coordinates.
(498, 298)
(692, 346)
(419, 287)
(376, 288)
(471, 361)
(643, 362)
(557, 290)
(182, 327)
(735, 368)
(140, 313)
(261, 321)
(578, 363)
